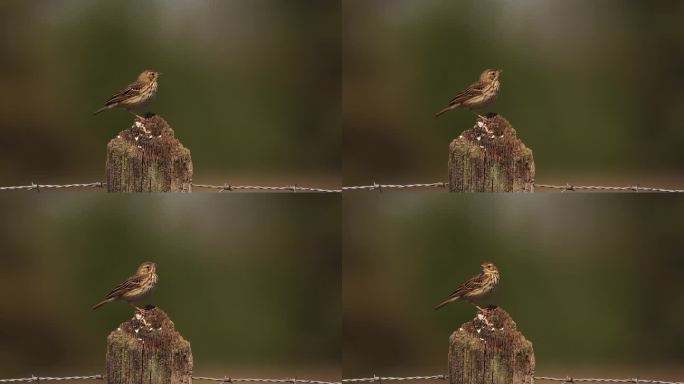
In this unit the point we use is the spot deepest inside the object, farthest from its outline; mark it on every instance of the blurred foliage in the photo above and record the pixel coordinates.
(250, 281)
(252, 87)
(593, 87)
(590, 280)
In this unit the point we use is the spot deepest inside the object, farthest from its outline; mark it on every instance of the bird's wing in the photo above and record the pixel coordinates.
(473, 90)
(131, 90)
(474, 283)
(130, 283)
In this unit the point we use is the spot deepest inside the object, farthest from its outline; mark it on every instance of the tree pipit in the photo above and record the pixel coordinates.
(136, 95)
(478, 94)
(476, 288)
(135, 288)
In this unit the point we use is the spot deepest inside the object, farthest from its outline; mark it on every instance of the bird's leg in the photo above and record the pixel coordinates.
(481, 121)
(139, 314)
(137, 310)
(478, 115)
(138, 117)
(483, 312)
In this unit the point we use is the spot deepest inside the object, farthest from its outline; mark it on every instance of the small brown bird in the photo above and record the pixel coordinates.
(479, 94)
(476, 288)
(135, 288)
(136, 95)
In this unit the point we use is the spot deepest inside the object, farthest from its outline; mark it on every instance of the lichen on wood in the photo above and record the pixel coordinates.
(489, 157)
(148, 158)
(490, 350)
(147, 349)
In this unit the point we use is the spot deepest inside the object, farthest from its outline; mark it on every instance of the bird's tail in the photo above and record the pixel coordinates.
(445, 302)
(101, 109)
(101, 303)
(445, 110)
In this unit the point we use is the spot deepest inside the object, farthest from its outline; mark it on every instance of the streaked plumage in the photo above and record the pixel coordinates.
(476, 288)
(479, 94)
(136, 287)
(136, 95)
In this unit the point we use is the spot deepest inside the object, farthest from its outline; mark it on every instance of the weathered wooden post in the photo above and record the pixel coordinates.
(490, 158)
(148, 158)
(490, 350)
(147, 349)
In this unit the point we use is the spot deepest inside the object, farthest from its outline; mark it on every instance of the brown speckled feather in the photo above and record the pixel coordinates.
(470, 285)
(125, 287)
(474, 90)
(131, 90)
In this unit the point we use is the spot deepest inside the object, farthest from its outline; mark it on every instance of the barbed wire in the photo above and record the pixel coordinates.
(375, 378)
(540, 378)
(587, 380)
(38, 187)
(381, 187)
(36, 379)
(351, 188)
(292, 188)
(294, 380)
(407, 378)
(224, 379)
(633, 188)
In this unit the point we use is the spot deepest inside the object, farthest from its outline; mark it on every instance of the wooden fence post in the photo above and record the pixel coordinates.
(147, 349)
(490, 158)
(490, 350)
(148, 158)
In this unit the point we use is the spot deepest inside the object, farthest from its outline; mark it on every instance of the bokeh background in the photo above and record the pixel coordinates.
(251, 87)
(593, 87)
(253, 282)
(594, 281)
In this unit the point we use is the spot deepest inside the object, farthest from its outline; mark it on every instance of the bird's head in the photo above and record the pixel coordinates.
(490, 75)
(489, 268)
(147, 267)
(148, 76)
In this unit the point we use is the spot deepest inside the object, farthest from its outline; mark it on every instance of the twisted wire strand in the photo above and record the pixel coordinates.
(633, 188)
(391, 378)
(595, 380)
(226, 379)
(540, 378)
(38, 187)
(381, 187)
(374, 186)
(292, 188)
(36, 379)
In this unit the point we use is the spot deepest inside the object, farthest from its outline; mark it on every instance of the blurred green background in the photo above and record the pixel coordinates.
(593, 87)
(253, 282)
(251, 87)
(594, 281)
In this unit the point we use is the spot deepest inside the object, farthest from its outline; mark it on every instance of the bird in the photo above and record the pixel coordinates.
(136, 95)
(476, 288)
(478, 94)
(135, 288)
